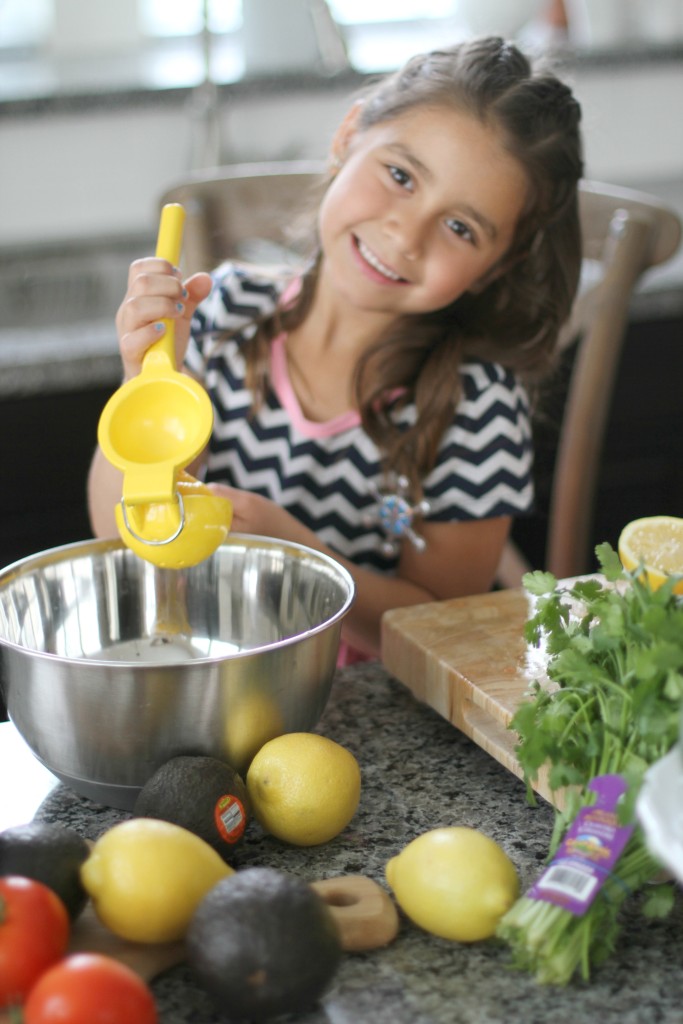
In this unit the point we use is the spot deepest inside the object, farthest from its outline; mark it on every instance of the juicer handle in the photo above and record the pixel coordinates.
(169, 245)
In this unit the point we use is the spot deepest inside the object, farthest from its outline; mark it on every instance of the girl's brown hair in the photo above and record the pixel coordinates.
(517, 317)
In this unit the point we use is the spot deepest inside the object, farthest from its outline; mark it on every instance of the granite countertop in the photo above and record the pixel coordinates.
(419, 773)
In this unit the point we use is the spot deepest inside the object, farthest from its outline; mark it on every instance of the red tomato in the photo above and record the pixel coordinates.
(89, 988)
(34, 931)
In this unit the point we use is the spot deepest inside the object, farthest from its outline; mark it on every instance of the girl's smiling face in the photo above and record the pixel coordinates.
(422, 209)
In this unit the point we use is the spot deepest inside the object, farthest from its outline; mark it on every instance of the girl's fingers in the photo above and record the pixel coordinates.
(138, 310)
(152, 266)
(134, 345)
(198, 286)
(156, 293)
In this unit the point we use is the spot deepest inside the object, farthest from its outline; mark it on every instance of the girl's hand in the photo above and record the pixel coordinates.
(252, 513)
(156, 292)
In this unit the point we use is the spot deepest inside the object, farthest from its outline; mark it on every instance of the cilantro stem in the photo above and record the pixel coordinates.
(554, 944)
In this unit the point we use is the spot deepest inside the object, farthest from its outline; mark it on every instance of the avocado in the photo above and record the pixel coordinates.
(48, 853)
(200, 793)
(263, 943)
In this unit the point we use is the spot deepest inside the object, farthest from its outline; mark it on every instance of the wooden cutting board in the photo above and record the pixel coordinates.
(467, 659)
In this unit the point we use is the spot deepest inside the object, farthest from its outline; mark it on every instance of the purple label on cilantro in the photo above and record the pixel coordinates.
(588, 852)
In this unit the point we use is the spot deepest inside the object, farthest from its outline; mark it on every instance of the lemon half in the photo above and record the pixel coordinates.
(654, 543)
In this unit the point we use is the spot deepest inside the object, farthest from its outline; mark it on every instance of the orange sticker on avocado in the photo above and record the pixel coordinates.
(230, 818)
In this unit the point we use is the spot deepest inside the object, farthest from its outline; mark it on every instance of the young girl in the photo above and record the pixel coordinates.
(372, 405)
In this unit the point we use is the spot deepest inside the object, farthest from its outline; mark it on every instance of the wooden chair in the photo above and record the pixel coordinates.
(243, 211)
(240, 211)
(625, 232)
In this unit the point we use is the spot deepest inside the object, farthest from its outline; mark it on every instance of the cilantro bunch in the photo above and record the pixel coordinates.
(615, 661)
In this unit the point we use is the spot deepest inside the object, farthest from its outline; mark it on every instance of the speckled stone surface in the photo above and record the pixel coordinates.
(419, 773)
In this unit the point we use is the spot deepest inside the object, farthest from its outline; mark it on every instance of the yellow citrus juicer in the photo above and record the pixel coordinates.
(151, 428)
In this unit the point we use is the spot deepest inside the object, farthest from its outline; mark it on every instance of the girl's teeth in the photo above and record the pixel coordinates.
(369, 256)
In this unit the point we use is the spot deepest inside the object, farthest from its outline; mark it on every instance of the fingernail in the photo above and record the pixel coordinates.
(185, 293)
(179, 306)
(160, 327)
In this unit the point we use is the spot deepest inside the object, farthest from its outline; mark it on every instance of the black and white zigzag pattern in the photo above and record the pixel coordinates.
(483, 467)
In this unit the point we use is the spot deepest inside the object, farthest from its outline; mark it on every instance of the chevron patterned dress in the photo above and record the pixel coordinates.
(328, 474)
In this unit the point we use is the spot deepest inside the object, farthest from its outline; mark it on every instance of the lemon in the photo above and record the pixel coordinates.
(655, 544)
(454, 882)
(304, 788)
(146, 877)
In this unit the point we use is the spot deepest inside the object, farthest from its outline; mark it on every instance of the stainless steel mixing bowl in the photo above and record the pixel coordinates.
(110, 666)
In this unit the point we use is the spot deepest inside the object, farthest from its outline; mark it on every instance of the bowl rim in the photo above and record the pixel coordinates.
(62, 552)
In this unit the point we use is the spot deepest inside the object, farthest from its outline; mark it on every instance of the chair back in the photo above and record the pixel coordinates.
(625, 233)
(244, 211)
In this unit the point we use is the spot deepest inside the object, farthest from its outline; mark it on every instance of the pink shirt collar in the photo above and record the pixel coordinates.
(287, 396)
(288, 400)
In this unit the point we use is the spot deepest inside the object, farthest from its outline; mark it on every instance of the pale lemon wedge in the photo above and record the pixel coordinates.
(654, 543)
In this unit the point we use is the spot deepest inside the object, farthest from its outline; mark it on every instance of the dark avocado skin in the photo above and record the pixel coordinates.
(184, 791)
(263, 943)
(51, 854)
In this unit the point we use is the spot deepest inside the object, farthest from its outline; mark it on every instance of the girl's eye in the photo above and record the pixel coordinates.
(401, 177)
(458, 227)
